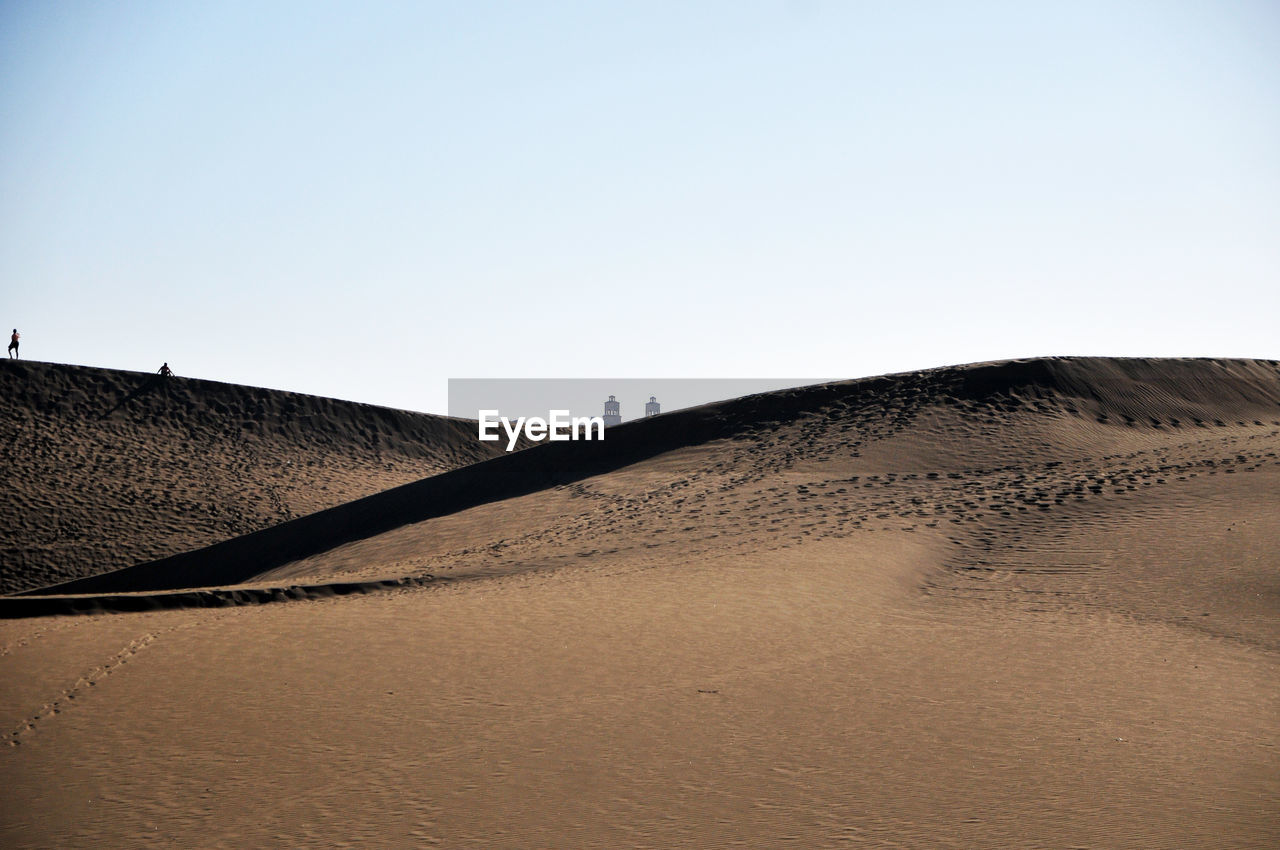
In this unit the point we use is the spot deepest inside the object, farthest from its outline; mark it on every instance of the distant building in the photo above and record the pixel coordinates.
(652, 408)
(612, 412)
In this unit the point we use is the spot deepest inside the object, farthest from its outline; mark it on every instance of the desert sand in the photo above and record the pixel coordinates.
(1015, 604)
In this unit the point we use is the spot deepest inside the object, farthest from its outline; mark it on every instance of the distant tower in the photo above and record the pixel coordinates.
(612, 412)
(652, 408)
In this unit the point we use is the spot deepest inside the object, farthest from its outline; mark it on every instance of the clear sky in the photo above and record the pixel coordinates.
(362, 200)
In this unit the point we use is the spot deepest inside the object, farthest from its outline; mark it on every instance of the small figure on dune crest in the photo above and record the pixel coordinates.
(13, 344)
(165, 371)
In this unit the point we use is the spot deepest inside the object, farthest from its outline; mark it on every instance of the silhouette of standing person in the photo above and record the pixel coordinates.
(13, 343)
(165, 371)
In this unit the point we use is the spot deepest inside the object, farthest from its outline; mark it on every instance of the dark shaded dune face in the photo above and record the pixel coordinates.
(104, 468)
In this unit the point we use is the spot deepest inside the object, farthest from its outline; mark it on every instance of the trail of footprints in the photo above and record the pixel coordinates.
(82, 687)
(46, 627)
(77, 689)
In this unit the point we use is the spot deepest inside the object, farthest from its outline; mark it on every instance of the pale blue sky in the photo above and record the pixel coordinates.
(363, 200)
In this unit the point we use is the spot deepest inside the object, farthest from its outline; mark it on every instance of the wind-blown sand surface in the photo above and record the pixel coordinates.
(1026, 604)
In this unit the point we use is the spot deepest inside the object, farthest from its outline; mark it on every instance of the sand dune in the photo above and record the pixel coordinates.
(104, 469)
(1026, 604)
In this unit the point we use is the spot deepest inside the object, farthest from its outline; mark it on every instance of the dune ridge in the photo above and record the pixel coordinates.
(1128, 393)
